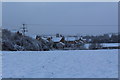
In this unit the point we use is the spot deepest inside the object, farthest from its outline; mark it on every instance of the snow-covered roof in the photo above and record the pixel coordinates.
(62, 43)
(14, 31)
(48, 36)
(56, 39)
(32, 36)
(71, 38)
(110, 35)
(89, 39)
(45, 39)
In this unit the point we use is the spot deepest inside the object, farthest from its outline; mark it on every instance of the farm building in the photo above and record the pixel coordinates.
(73, 40)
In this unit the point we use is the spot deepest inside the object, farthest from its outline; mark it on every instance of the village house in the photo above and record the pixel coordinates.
(57, 39)
(62, 39)
(73, 40)
(60, 42)
(41, 38)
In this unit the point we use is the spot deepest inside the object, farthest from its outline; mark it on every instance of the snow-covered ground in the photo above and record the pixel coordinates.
(0, 65)
(110, 44)
(61, 64)
(104, 45)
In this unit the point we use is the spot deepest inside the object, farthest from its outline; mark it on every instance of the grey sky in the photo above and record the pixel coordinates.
(62, 17)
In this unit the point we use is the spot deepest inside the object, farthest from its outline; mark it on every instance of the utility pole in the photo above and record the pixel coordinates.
(24, 29)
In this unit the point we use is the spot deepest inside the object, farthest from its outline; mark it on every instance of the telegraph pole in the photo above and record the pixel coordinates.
(24, 29)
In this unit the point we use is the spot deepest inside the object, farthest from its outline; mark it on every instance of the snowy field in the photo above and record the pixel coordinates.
(0, 65)
(61, 64)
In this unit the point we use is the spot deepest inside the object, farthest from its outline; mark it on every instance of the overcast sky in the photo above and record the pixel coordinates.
(66, 17)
